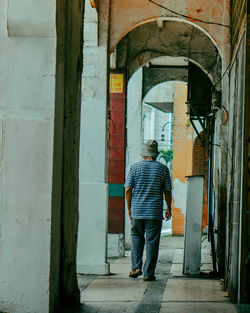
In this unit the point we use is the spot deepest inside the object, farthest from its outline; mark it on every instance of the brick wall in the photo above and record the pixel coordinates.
(116, 163)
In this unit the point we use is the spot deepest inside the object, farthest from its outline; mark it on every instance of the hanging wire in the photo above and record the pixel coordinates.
(190, 42)
(227, 69)
(201, 21)
(188, 17)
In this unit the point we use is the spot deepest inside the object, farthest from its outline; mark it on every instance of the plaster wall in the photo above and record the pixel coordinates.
(93, 187)
(27, 84)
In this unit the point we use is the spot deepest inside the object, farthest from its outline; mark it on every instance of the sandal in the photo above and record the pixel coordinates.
(135, 273)
(148, 278)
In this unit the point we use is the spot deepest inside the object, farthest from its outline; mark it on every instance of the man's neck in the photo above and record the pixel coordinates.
(148, 159)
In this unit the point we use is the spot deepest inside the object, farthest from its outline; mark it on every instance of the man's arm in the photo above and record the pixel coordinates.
(168, 199)
(128, 196)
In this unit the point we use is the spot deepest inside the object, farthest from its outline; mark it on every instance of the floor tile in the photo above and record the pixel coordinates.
(197, 307)
(194, 290)
(112, 290)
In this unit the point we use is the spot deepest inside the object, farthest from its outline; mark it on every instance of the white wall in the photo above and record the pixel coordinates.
(134, 133)
(27, 89)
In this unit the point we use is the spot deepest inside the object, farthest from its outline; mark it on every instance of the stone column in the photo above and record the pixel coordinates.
(27, 99)
(93, 189)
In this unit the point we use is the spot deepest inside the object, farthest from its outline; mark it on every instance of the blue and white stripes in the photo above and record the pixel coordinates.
(148, 180)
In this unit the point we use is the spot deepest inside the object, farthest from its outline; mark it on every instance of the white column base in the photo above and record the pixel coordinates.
(97, 269)
(93, 210)
(116, 245)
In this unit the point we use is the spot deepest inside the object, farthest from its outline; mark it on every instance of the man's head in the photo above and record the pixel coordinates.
(150, 149)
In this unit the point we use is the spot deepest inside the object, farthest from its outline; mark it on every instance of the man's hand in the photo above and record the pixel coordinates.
(168, 214)
(128, 196)
(129, 214)
(168, 199)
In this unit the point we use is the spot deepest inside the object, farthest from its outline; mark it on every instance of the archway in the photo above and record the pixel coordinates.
(172, 39)
(169, 37)
(137, 48)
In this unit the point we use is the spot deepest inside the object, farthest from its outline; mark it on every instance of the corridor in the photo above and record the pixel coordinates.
(172, 292)
(79, 97)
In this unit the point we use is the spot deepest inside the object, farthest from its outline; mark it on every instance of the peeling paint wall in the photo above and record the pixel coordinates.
(127, 14)
(180, 195)
(174, 38)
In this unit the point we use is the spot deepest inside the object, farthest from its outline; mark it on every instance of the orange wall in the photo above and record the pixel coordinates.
(182, 157)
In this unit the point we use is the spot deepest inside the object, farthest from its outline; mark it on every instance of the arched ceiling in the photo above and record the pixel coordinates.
(170, 38)
(153, 76)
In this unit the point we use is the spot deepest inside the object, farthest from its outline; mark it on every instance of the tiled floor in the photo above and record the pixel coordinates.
(172, 292)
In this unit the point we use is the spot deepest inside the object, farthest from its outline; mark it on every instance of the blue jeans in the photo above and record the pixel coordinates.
(150, 231)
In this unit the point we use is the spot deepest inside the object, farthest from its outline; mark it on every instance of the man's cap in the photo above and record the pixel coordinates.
(150, 149)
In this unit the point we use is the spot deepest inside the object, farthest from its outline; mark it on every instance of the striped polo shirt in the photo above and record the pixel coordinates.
(148, 180)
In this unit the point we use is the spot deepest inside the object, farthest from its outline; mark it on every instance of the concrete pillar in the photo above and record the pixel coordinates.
(27, 99)
(93, 187)
(134, 133)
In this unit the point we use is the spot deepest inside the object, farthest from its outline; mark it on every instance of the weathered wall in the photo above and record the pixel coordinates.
(234, 188)
(172, 38)
(27, 97)
(237, 242)
(127, 14)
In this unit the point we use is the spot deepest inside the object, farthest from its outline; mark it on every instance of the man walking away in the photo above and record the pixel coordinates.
(145, 185)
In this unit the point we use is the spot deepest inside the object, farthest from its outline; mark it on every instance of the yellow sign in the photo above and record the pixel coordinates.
(116, 83)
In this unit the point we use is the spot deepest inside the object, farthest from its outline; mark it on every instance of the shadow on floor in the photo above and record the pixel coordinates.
(172, 292)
